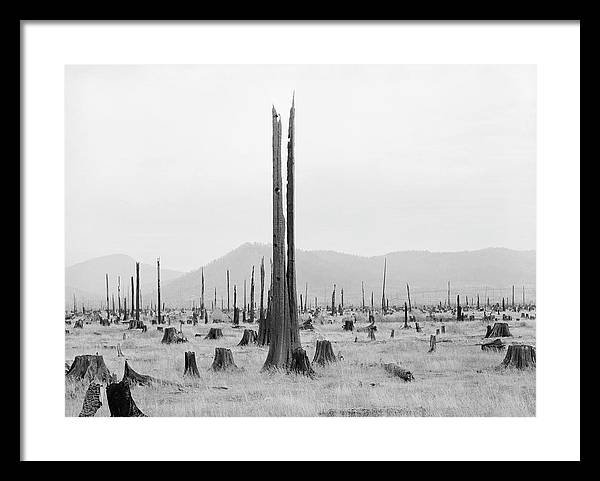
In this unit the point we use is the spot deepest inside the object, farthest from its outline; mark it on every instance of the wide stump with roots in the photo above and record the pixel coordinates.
(397, 371)
(348, 325)
(190, 369)
(133, 378)
(249, 337)
(500, 329)
(519, 356)
(300, 363)
(324, 353)
(120, 402)
(172, 336)
(214, 333)
(88, 368)
(223, 360)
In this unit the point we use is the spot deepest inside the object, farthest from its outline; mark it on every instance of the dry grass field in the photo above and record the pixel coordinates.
(457, 379)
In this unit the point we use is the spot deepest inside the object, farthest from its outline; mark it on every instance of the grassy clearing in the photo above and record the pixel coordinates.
(458, 379)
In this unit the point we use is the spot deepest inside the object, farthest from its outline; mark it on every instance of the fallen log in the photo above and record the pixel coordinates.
(397, 371)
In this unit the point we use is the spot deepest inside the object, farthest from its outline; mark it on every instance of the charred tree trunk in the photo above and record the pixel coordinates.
(458, 309)
(405, 316)
(279, 346)
(202, 306)
(417, 327)
(383, 303)
(432, 343)
(333, 310)
(236, 312)
(227, 290)
(158, 287)
(190, 367)
(408, 294)
(362, 287)
(120, 402)
(118, 295)
(261, 311)
(348, 325)
(137, 291)
(324, 353)
(223, 360)
(107, 306)
(132, 299)
(520, 356)
(252, 296)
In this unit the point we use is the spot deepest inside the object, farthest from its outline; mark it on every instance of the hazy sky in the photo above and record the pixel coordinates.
(175, 161)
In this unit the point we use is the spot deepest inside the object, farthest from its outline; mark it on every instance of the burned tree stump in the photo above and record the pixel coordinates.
(437, 332)
(307, 325)
(495, 345)
(249, 337)
(392, 334)
(89, 368)
(223, 360)
(172, 336)
(417, 327)
(132, 377)
(214, 333)
(432, 343)
(397, 371)
(120, 402)
(324, 353)
(300, 363)
(371, 331)
(500, 329)
(190, 369)
(443, 329)
(519, 356)
(488, 330)
(348, 325)
(119, 352)
(78, 324)
(91, 401)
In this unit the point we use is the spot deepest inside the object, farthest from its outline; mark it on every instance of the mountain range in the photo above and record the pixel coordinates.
(488, 272)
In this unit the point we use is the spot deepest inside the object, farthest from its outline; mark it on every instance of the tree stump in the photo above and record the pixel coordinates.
(324, 353)
(307, 325)
(223, 360)
(348, 325)
(119, 352)
(417, 327)
(397, 371)
(91, 401)
(89, 368)
(78, 324)
(190, 369)
(300, 363)
(437, 332)
(131, 377)
(500, 329)
(214, 333)
(392, 334)
(432, 342)
(172, 336)
(495, 345)
(120, 402)
(159, 328)
(372, 330)
(443, 329)
(249, 337)
(519, 356)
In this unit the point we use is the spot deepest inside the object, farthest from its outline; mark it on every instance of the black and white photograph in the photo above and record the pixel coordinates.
(247, 240)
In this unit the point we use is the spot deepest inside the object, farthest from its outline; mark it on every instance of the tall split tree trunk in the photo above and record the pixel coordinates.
(107, 305)
(202, 307)
(408, 293)
(362, 286)
(137, 291)
(158, 287)
(383, 304)
(291, 243)
(284, 332)
(252, 296)
(119, 294)
(227, 290)
(458, 308)
(132, 301)
(333, 310)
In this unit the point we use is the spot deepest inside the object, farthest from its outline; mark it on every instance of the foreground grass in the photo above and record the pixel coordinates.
(458, 379)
